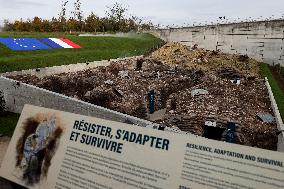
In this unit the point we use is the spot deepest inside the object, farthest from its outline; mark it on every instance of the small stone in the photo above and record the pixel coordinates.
(118, 92)
(210, 123)
(199, 61)
(88, 94)
(198, 92)
(76, 97)
(123, 74)
(149, 126)
(265, 117)
(236, 81)
(109, 82)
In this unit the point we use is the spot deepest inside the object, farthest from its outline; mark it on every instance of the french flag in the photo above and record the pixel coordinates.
(58, 43)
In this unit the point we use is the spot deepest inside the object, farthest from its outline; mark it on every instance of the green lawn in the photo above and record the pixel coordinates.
(94, 48)
(277, 92)
(8, 123)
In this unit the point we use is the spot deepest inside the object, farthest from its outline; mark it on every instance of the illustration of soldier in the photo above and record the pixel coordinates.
(38, 148)
(31, 158)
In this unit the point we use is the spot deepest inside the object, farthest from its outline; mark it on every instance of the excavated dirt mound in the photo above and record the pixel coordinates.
(121, 86)
(226, 101)
(208, 61)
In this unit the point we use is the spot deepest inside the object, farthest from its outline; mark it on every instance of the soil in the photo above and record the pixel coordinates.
(225, 102)
(206, 60)
(124, 86)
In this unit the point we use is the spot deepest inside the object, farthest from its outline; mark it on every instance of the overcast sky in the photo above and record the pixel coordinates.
(159, 11)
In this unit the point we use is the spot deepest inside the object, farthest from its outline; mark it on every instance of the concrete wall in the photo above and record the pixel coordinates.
(48, 71)
(263, 41)
(278, 119)
(17, 94)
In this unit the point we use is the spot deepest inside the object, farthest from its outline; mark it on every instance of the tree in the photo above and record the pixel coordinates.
(8, 26)
(37, 24)
(27, 26)
(46, 26)
(19, 25)
(147, 26)
(56, 25)
(62, 14)
(78, 13)
(72, 25)
(134, 23)
(93, 23)
(116, 14)
(116, 20)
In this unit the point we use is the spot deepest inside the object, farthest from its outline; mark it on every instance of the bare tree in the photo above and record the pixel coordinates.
(78, 13)
(116, 14)
(62, 14)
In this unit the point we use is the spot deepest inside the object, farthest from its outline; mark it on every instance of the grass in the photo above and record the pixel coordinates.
(93, 49)
(8, 122)
(277, 92)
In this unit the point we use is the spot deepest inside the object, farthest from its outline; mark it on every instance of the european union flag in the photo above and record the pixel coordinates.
(23, 44)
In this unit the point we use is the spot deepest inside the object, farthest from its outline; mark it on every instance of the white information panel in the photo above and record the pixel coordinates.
(54, 149)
